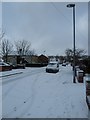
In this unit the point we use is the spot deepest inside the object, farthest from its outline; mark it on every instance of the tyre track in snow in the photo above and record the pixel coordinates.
(14, 80)
(6, 81)
(25, 102)
(29, 99)
(28, 107)
(33, 96)
(16, 109)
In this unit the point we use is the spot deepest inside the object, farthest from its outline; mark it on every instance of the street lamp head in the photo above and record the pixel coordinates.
(70, 5)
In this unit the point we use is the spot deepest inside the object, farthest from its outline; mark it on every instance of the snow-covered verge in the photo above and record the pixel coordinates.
(37, 94)
(13, 71)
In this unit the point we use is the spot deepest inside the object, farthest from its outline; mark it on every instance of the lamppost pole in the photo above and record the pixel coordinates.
(74, 71)
(74, 43)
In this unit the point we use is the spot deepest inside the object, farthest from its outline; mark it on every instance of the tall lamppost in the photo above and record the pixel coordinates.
(74, 71)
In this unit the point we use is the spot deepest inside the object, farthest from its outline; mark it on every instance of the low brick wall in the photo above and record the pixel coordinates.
(5, 68)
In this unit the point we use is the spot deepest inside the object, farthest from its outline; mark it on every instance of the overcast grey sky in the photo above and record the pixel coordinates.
(48, 26)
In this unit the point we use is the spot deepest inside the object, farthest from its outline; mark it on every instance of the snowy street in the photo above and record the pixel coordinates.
(33, 93)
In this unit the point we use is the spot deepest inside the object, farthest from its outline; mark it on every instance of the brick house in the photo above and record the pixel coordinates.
(42, 59)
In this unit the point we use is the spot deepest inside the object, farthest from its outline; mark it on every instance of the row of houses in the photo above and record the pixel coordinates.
(17, 59)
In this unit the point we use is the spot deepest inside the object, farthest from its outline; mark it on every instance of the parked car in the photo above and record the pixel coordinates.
(52, 67)
(4, 66)
(64, 64)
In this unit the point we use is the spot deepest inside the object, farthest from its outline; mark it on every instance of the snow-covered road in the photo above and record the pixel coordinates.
(37, 94)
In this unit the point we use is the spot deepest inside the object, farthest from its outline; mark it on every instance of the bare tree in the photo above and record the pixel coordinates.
(78, 54)
(7, 48)
(69, 54)
(32, 52)
(23, 47)
(1, 35)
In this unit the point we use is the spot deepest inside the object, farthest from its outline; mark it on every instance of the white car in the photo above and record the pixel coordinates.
(4, 64)
(52, 67)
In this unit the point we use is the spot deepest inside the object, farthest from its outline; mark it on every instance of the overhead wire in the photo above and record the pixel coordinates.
(60, 12)
(66, 18)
